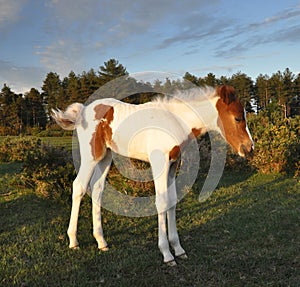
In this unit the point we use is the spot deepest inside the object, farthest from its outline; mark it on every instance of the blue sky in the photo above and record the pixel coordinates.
(198, 36)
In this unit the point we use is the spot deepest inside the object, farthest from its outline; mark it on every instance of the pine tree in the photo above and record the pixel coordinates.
(72, 88)
(262, 92)
(287, 92)
(244, 88)
(211, 80)
(53, 93)
(111, 70)
(35, 113)
(9, 117)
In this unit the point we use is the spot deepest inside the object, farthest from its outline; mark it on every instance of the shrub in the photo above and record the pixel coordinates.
(277, 144)
(46, 168)
(17, 148)
(49, 170)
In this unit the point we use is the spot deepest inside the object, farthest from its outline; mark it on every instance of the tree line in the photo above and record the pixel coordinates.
(22, 113)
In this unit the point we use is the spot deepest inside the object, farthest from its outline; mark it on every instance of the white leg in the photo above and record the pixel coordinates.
(163, 243)
(79, 189)
(171, 216)
(101, 171)
(173, 234)
(160, 169)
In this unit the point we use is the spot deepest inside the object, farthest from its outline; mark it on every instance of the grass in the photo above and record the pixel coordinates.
(246, 234)
(65, 141)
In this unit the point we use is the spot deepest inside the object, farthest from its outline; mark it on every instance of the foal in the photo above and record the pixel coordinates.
(155, 132)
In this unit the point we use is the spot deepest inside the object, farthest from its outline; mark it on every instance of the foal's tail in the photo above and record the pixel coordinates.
(70, 118)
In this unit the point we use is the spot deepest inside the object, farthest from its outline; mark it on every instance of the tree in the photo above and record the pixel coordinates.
(276, 86)
(35, 113)
(244, 88)
(168, 88)
(224, 80)
(211, 80)
(111, 70)
(190, 80)
(72, 86)
(287, 92)
(53, 93)
(295, 101)
(9, 117)
(262, 92)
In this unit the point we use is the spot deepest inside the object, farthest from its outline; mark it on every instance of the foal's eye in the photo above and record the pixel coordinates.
(238, 119)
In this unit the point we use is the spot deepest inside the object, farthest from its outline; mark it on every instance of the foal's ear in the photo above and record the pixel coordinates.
(227, 94)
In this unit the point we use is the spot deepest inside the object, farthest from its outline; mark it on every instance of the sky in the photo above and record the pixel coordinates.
(197, 36)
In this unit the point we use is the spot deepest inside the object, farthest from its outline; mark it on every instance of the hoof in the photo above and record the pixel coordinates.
(104, 249)
(171, 263)
(182, 256)
(75, 247)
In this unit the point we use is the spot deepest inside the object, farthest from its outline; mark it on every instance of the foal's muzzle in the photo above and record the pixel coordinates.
(247, 149)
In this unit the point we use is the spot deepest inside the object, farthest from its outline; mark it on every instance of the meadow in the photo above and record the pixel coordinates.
(246, 234)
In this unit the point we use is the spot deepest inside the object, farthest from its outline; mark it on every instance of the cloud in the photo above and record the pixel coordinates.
(208, 29)
(20, 79)
(274, 29)
(92, 27)
(112, 22)
(62, 56)
(10, 11)
(282, 16)
(219, 68)
(290, 35)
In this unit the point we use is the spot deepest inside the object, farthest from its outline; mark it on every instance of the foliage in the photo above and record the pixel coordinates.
(277, 143)
(17, 149)
(46, 168)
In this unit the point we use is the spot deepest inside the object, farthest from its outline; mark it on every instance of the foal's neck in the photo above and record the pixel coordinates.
(195, 114)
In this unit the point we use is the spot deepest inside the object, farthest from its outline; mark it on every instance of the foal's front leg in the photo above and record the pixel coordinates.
(160, 169)
(163, 242)
(171, 215)
(173, 234)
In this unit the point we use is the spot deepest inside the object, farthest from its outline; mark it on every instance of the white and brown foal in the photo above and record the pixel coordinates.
(155, 132)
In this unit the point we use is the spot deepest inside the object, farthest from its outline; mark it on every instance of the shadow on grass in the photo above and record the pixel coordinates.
(247, 234)
(28, 209)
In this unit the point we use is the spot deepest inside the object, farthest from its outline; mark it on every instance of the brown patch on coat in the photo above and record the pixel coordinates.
(174, 153)
(195, 132)
(103, 134)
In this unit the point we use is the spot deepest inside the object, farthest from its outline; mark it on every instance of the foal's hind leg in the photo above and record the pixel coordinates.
(79, 190)
(100, 174)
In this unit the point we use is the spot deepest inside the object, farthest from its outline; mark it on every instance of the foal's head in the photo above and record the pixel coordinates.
(232, 121)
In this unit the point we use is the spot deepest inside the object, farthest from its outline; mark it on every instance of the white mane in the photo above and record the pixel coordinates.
(190, 95)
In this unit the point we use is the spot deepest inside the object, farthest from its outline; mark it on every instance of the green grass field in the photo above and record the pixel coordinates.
(64, 141)
(246, 234)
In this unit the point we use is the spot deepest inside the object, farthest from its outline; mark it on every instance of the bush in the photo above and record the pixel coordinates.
(46, 168)
(277, 144)
(49, 170)
(17, 148)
